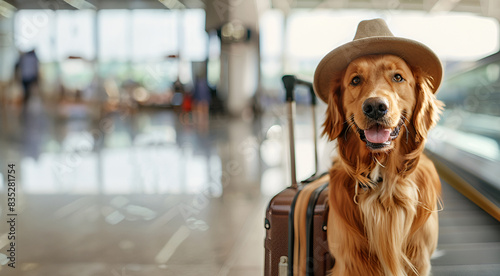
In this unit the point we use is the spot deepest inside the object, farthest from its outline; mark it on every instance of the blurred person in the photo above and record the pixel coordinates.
(178, 86)
(179, 94)
(187, 103)
(201, 102)
(28, 68)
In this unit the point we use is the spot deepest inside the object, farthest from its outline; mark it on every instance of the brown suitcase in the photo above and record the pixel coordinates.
(296, 217)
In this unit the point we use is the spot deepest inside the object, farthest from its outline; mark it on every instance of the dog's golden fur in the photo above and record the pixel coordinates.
(383, 201)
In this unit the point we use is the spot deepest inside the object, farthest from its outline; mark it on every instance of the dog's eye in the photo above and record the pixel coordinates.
(398, 78)
(355, 81)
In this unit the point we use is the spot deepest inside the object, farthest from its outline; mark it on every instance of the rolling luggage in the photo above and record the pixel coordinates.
(296, 218)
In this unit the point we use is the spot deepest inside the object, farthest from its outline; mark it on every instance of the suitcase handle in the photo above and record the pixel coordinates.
(289, 81)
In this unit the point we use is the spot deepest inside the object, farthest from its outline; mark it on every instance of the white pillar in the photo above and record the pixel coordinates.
(240, 68)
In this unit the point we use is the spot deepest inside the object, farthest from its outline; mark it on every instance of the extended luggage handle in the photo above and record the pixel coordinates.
(289, 81)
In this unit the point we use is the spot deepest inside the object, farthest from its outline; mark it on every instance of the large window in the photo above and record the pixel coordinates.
(75, 34)
(271, 47)
(195, 38)
(308, 35)
(150, 47)
(34, 29)
(155, 34)
(114, 35)
(454, 36)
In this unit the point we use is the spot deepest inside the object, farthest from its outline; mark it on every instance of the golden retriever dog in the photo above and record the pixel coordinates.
(384, 191)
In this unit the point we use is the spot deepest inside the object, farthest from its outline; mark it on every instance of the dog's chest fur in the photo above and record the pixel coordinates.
(388, 211)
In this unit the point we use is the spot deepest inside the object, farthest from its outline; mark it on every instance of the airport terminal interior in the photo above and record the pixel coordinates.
(147, 137)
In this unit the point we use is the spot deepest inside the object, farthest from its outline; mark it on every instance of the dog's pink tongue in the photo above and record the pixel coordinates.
(377, 134)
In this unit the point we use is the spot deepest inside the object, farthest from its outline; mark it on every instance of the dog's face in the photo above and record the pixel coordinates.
(381, 100)
(378, 98)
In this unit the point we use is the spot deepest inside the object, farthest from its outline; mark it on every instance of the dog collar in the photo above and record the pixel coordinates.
(366, 187)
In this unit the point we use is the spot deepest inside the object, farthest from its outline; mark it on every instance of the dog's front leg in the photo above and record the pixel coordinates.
(422, 245)
(350, 248)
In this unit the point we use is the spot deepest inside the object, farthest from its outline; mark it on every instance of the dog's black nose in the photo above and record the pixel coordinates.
(376, 107)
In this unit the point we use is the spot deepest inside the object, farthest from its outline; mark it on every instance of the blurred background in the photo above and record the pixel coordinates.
(148, 136)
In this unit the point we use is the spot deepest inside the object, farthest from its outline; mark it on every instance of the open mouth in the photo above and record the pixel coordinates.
(378, 136)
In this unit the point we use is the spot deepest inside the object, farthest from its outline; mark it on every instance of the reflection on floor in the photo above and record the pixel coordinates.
(148, 193)
(143, 193)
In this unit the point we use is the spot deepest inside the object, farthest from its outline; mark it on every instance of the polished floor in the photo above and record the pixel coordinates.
(136, 193)
(153, 192)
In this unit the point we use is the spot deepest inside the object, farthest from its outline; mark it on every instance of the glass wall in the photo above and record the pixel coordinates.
(149, 48)
(272, 30)
(294, 44)
(468, 134)
(34, 29)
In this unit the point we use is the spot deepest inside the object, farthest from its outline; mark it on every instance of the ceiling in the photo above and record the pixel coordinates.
(483, 7)
(106, 4)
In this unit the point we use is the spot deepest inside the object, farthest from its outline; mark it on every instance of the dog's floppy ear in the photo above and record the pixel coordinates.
(334, 121)
(427, 107)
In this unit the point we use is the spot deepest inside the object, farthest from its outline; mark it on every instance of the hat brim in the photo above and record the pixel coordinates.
(413, 52)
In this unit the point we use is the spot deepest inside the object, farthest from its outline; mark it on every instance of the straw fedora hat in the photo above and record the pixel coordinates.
(374, 37)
